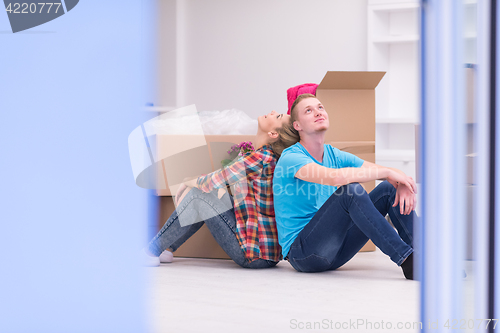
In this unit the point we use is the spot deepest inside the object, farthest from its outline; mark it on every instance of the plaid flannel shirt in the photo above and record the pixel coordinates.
(250, 178)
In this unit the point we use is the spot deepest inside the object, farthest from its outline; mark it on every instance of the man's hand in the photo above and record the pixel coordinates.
(406, 199)
(393, 183)
(402, 179)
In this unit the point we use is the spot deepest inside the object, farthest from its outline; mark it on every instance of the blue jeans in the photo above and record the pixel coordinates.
(344, 224)
(198, 208)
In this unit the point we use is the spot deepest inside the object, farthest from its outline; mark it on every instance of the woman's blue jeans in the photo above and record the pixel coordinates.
(344, 224)
(198, 208)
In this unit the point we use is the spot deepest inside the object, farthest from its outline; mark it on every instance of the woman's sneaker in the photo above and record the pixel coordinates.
(148, 260)
(166, 257)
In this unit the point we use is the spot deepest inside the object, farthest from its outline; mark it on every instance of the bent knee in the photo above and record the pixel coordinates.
(183, 195)
(189, 194)
(313, 263)
(385, 185)
(354, 189)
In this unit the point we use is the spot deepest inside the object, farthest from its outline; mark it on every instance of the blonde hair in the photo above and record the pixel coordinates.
(299, 98)
(288, 135)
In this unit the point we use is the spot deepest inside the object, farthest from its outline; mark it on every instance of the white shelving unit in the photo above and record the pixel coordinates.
(470, 31)
(395, 39)
(393, 46)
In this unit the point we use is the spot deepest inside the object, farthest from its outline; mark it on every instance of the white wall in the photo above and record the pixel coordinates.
(246, 54)
(166, 62)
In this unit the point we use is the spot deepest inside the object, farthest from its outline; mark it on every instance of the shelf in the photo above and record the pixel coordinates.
(470, 35)
(470, 2)
(396, 7)
(405, 155)
(396, 39)
(391, 120)
(159, 108)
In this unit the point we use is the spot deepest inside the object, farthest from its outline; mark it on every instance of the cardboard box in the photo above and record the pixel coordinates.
(191, 155)
(362, 149)
(200, 245)
(470, 85)
(348, 97)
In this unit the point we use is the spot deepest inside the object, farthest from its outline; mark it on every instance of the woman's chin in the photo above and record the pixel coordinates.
(259, 120)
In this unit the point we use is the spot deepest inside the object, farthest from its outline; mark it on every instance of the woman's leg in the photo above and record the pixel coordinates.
(223, 229)
(195, 209)
(172, 235)
(340, 228)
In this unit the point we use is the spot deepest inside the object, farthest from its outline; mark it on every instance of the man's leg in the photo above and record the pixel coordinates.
(383, 197)
(330, 231)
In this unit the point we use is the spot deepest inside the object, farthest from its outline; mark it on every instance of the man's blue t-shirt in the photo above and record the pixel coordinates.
(296, 201)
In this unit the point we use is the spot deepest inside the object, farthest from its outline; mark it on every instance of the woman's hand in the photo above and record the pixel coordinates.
(179, 192)
(406, 199)
(187, 184)
(401, 179)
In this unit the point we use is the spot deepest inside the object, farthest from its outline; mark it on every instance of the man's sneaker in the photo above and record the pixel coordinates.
(166, 257)
(407, 267)
(148, 260)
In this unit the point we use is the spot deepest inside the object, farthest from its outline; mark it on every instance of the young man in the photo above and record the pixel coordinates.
(323, 215)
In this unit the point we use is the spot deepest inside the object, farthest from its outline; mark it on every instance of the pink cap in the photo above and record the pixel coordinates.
(294, 92)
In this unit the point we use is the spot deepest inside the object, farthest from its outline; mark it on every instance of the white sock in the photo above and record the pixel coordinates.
(166, 257)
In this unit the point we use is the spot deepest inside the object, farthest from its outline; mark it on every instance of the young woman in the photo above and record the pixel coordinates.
(323, 215)
(243, 225)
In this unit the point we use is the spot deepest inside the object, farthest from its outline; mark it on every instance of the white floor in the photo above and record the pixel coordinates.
(207, 295)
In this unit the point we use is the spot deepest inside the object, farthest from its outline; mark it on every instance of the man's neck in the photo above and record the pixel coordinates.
(314, 144)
